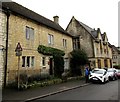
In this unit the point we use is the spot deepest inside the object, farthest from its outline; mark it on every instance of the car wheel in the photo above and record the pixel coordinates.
(116, 77)
(104, 81)
(113, 78)
(108, 79)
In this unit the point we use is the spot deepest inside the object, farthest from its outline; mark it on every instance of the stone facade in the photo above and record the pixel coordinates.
(85, 38)
(94, 43)
(30, 34)
(115, 55)
(3, 20)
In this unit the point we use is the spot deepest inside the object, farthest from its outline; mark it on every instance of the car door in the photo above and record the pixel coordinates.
(107, 75)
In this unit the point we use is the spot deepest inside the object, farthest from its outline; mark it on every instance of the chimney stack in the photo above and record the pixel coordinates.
(56, 19)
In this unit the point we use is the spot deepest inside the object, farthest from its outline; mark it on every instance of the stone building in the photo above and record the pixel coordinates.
(115, 55)
(94, 43)
(31, 30)
(3, 21)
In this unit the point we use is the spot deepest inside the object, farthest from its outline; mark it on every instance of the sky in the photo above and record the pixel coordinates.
(101, 14)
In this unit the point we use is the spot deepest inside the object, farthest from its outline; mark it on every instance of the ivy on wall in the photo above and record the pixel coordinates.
(50, 51)
(57, 56)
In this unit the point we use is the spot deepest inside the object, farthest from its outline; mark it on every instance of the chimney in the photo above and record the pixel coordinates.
(56, 19)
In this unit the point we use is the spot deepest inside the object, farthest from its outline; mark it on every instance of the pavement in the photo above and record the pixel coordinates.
(10, 95)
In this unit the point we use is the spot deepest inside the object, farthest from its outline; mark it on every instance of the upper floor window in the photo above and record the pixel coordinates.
(76, 43)
(97, 50)
(101, 48)
(64, 43)
(29, 33)
(50, 39)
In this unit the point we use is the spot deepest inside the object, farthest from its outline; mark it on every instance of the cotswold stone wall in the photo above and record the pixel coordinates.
(2, 45)
(17, 33)
(75, 29)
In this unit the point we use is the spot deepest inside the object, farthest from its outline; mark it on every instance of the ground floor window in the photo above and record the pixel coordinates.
(43, 61)
(105, 63)
(28, 61)
(99, 63)
(32, 61)
(23, 61)
(66, 63)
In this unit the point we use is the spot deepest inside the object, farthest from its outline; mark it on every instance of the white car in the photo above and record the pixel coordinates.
(99, 75)
(112, 72)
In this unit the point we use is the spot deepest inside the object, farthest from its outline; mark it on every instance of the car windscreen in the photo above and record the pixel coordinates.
(118, 71)
(110, 70)
(98, 71)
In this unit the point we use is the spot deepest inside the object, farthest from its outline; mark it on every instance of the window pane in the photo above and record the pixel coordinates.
(43, 61)
(66, 63)
(49, 39)
(28, 61)
(32, 61)
(64, 43)
(23, 61)
(32, 34)
(52, 39)
(27, 33)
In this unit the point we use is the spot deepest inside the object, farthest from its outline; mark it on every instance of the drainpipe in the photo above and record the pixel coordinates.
(6, 55)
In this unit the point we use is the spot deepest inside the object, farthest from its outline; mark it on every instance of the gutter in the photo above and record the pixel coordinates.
(6, 54)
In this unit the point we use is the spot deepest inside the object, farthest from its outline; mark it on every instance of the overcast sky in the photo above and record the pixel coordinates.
(101, 14)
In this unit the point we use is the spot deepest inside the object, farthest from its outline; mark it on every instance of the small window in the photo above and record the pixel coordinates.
(29, 33)
(64, 43)
(76, 43)
(43, 61)
(50, 39)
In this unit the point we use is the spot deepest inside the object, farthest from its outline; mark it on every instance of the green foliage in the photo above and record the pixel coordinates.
(57, 56)
(78, 59)
(58, 65)
(50, 51)
(38, 77)
(117, 66)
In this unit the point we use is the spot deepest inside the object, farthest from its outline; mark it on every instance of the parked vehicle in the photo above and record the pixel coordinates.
(99, 75)
(112, 73)
(118, 73)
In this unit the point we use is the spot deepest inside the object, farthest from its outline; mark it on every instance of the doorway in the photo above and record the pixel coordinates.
(51, 71)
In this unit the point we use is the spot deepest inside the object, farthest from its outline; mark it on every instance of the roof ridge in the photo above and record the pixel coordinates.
(86, 25)
(28, 13)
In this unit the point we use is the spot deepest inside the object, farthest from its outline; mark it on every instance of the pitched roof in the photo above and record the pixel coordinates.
(115, 48)
(20, 10)
(91, 31)
(103, 36)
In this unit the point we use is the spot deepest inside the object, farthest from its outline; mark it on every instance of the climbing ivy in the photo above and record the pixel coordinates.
(50, 51)
(57, 56)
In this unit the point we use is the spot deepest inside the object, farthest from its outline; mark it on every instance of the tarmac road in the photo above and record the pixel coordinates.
(108, 91)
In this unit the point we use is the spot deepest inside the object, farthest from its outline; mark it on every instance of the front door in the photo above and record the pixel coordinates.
(51, 66)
